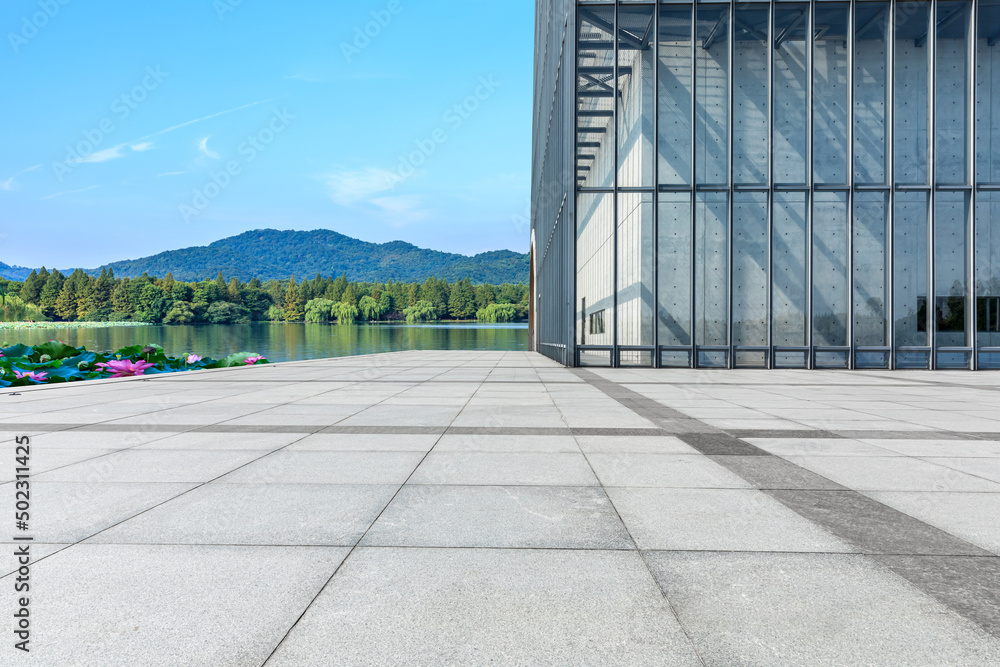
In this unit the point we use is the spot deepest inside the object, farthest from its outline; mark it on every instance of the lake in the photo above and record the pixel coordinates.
(287, 342)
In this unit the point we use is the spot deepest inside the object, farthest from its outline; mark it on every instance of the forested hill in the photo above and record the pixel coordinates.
(269, 253)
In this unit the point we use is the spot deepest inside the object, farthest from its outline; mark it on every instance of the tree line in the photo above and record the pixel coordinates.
(82, 297)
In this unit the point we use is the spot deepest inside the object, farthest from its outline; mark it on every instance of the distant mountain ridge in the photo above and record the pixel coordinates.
(271, 253)
(13, 272)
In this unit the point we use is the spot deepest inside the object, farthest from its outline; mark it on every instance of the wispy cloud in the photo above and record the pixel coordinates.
(349, 187)
(70, 192)
(203, 147)
(171, 173)
(8, 185)
(143, 143)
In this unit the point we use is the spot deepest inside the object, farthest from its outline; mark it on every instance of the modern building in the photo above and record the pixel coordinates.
(767, 184)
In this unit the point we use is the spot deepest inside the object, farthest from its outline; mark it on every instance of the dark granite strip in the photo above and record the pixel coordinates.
(507, 430)
(611, 432)
(385, 430)
(970, 586)
(721, 444)
(772, 472)
(779, 433)
(933, 560)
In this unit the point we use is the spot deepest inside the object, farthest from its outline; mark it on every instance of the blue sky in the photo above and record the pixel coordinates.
(136, 127)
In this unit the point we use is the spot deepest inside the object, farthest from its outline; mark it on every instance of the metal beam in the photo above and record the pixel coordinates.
(793, 24)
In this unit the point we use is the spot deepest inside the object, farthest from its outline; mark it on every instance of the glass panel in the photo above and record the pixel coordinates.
(909, 270)
(789, 269)
(830, 117)
(988, 269)
(595, 357)
(750, 84)
(829, 261)
(871, 360)
(871, 218)
(635, 358)
(595, 157)
(713, 359)
(711, 95)
(595, 264)
(791, 22)
(951, 252)
(951, 92)
(635, 96)
(711, 269)
(750, 268)
(674, 256)
(910, 89)
(988, 92)
(675, 94)
(750, 358)
(871, 72)
(635, 268)
(675, 359)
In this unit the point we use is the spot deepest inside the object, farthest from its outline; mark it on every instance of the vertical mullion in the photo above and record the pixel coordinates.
(570, 218)
(614, 197)
(656, 187)
(731, 40)
(693, 179)
(850, 187)
(810, 181)
(770, 185)
(932, 176)
(890, 175)
(970, 178)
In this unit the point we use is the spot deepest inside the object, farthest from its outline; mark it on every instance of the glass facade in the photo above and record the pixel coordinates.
(773, 184)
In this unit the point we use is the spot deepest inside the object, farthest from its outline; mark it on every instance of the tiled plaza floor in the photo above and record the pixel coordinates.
(485, 508)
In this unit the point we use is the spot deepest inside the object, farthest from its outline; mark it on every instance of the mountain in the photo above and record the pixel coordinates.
(269, 253)
(13, 272)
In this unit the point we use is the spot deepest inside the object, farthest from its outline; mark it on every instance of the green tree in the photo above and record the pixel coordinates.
(50, 292)
(223, 312)
(66, 303)
(98, 305)
(233, 292)
(318, 311)
(485, 295)
(31, 290)
(180, 313)
(462, 302)
(121, 301)
(257, 301)
(344, 312)
(497, 312)
(292, 311)
(370, 308)
(422, 311)
(350, 296)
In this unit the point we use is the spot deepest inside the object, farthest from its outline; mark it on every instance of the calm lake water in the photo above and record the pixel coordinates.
(288, 342)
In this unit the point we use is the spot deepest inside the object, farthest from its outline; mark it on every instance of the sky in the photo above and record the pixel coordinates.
(129, 128)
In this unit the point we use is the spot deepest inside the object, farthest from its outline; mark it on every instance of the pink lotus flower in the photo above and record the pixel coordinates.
(32, 375)
(250, 361)
(125, 368)
(193, 358)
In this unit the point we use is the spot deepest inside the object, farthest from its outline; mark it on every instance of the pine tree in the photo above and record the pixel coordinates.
(121, 299)
(66, 303)
(31, 291)
(292, 312)
(50, 292)
(233, 292)
(221, 283)
(462, 302)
